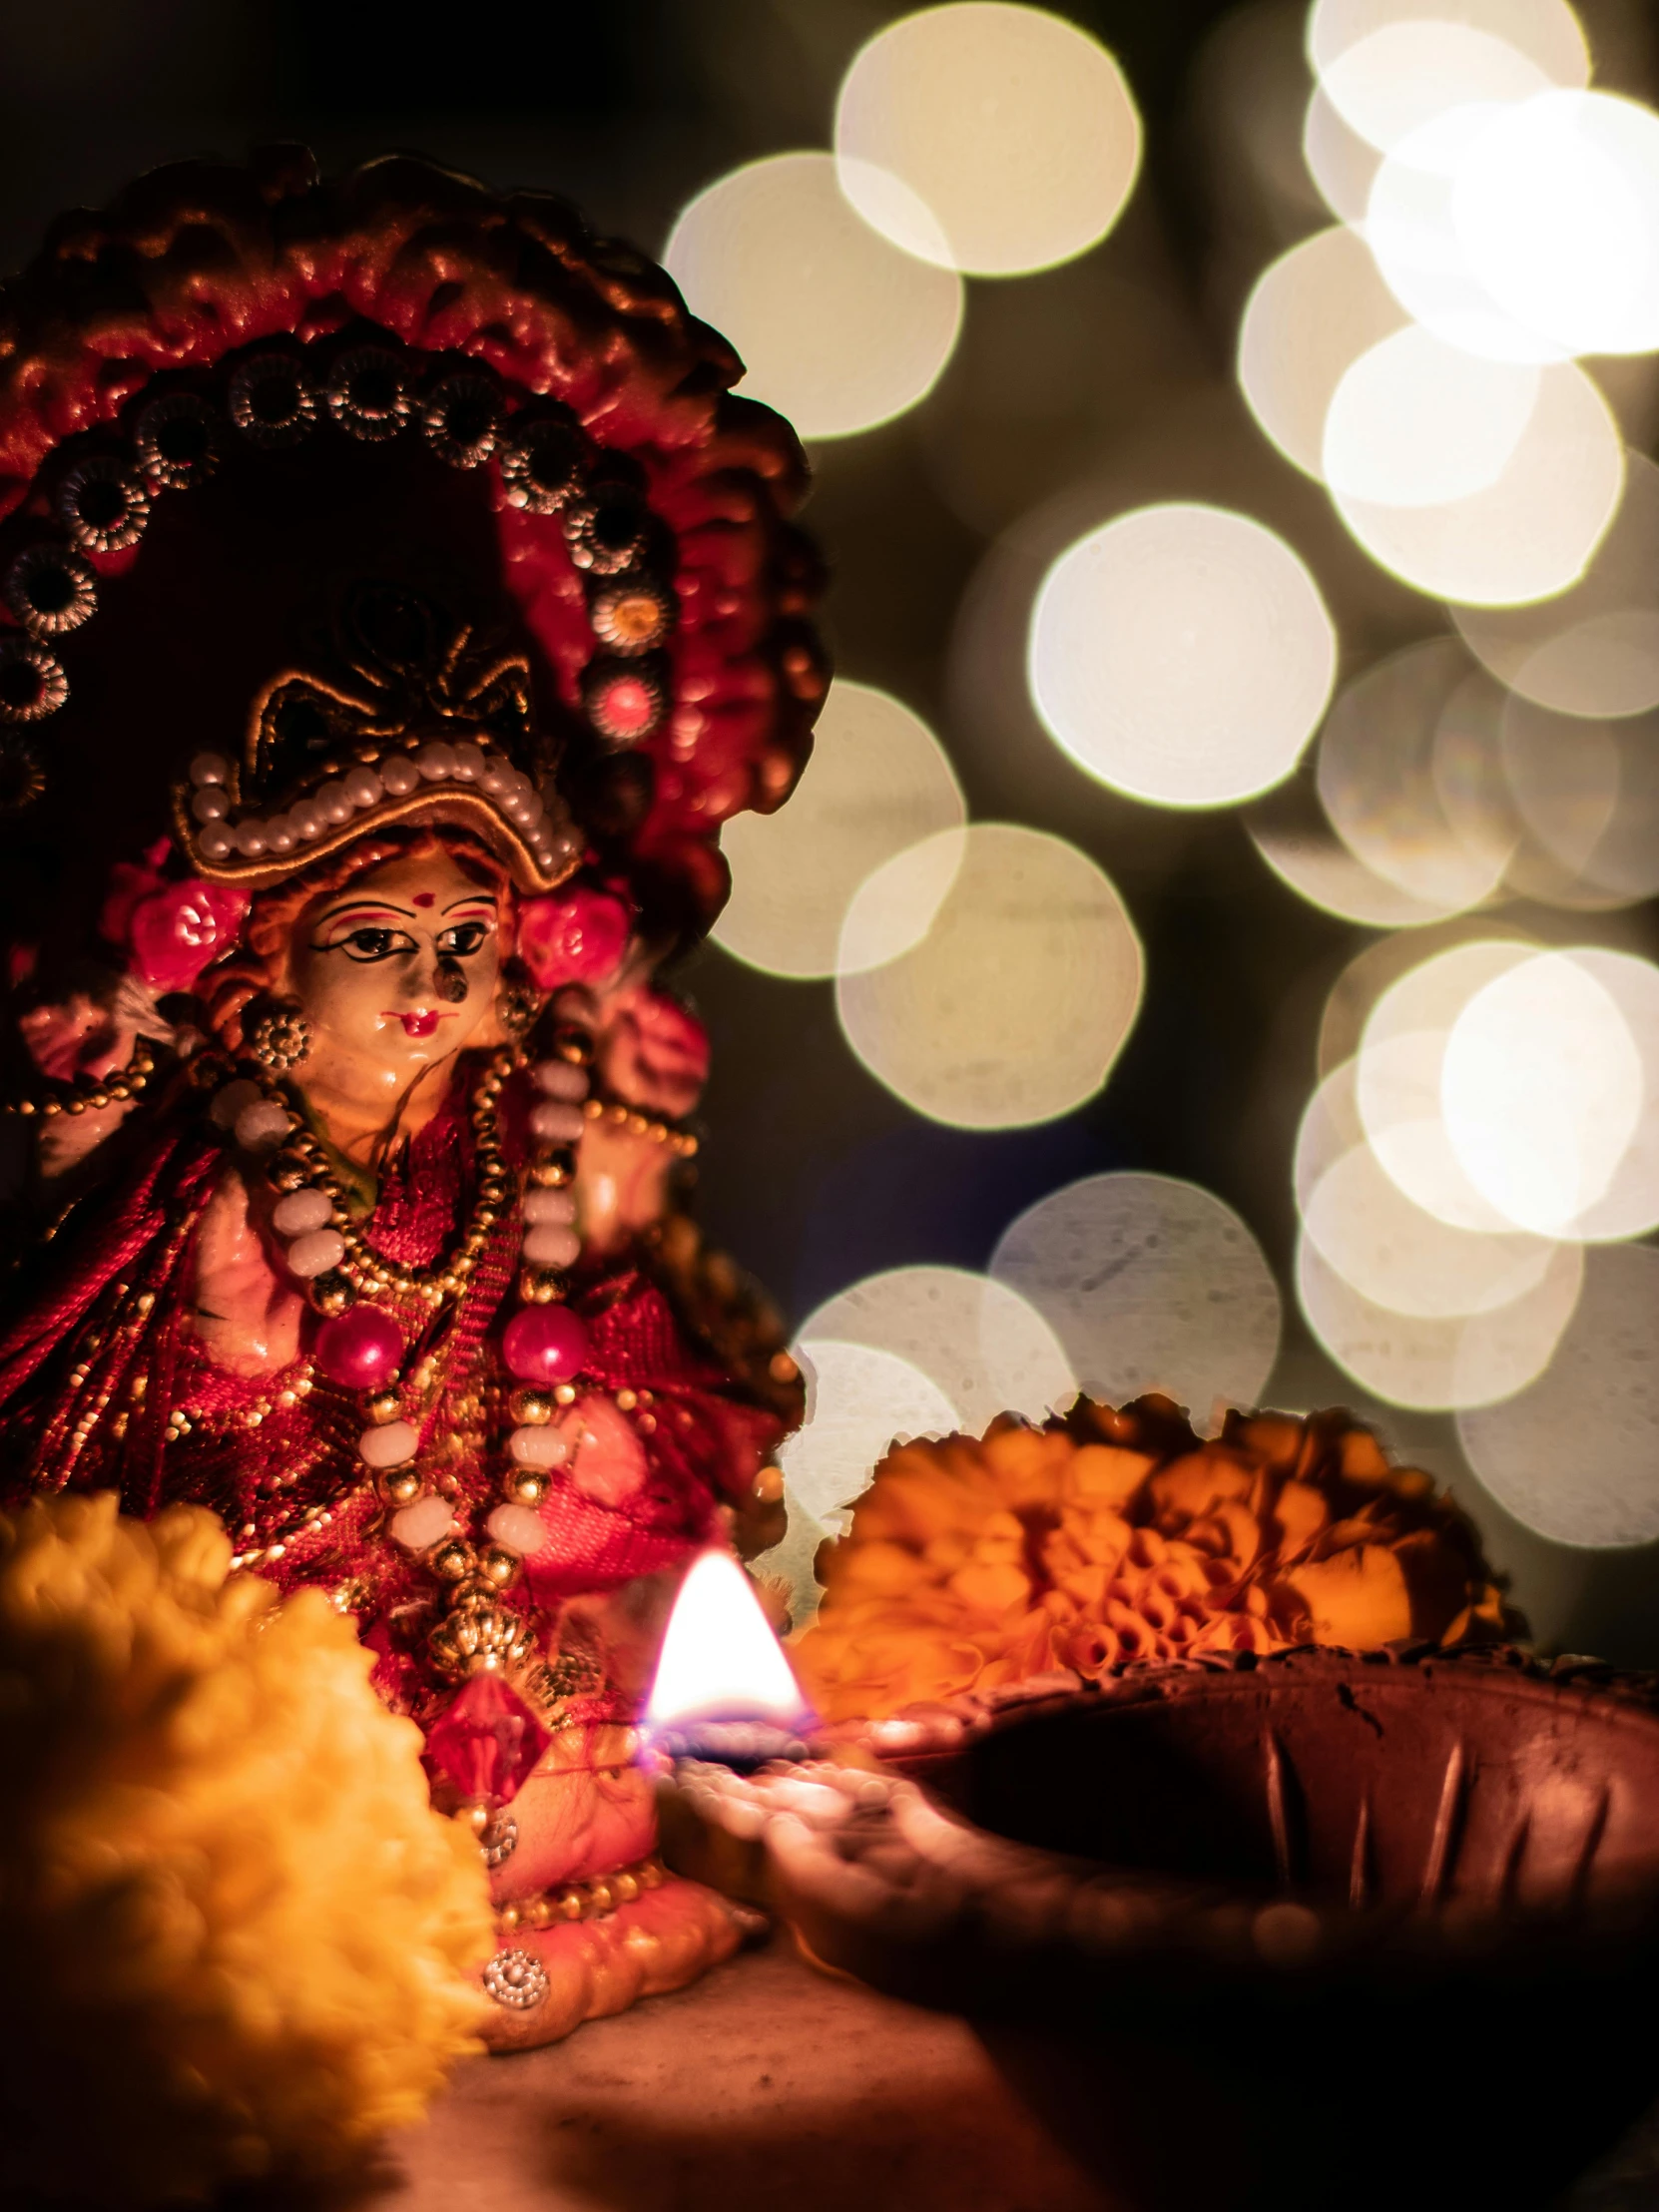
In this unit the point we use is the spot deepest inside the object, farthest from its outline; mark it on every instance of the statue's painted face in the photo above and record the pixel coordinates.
(397, 972)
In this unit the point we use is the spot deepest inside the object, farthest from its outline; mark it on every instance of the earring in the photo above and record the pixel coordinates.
(518, 1008)
(280, 1039)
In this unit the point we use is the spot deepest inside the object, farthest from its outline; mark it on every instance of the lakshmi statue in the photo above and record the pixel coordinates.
(398, 604)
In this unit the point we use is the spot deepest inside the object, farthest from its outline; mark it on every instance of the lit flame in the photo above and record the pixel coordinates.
(720, 1660)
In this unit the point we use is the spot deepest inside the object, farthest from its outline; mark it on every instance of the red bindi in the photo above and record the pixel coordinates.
(424, 898)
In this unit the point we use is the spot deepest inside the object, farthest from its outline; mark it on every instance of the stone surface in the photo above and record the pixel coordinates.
(768, 2087)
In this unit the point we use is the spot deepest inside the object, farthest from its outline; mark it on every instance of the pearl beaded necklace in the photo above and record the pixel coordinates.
(362, 1346)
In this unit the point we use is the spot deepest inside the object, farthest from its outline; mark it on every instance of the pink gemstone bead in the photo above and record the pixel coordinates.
(486, 1741)
(360, 1349)
(545, 1343)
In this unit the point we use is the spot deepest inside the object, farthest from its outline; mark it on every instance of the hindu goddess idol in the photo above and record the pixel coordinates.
(398, 603)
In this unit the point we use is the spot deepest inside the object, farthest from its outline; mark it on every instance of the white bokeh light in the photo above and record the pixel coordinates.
(1181, 655)
(840, 328)
(1400, 77)
(1341, 163)
(1149, 1284)
(1576, 1456)
(1542, 1089)
(1547, 32)
(1526, 535)
(1013, 1006)
(877, 781)
(1410, 231)
(1556, 206)
(1439, 1365)
(1416, 422)
(1398, 1071)
(1368, 1224)
(860, 1398)
(1292, 835)
(1423, 1312)
(1312, 315)
(1377, 781)
(987, 1348)
(1013, 129)
(1398, 1255)
(1592, 650)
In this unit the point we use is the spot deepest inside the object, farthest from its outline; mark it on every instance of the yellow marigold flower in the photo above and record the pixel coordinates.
(1117, 1537)
(237, 1939)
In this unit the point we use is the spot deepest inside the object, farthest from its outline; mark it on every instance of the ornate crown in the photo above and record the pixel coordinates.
(428, 728)
(441, 373)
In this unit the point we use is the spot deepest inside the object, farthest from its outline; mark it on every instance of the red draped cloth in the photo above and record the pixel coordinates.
(104, 1383)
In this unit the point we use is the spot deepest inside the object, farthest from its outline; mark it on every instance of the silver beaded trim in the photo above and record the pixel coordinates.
(516, 1980)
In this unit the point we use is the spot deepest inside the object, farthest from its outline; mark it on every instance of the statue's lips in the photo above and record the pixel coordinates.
(418, 1024)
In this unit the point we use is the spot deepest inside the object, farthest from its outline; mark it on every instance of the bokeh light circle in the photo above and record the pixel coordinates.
(1342, 164)
(860, 1398)
(1181, 655)
(1439, 1365)
(1592, 650)
(1149, 1284)
(1397, 1077)
(1408, 1346)
(841, 329)
(1401, 76)
(1576, 1456)
(1012, 128)
(986, 1348)
(1587, 792)
(1409, 230)
(1377, 781)
(1398, 1255)
(1556, 206)
(1017, 1000)
(1547, 32)
(1542, 1089)
(877, 781)
(1314, 311)
(1292, 835)
(1416, 422)
(1526, 535)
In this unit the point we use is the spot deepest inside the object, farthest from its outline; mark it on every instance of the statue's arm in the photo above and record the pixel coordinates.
(247, 1319)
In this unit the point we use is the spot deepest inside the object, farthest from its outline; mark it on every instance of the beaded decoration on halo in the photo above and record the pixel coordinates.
(429, 729)
(637, 511)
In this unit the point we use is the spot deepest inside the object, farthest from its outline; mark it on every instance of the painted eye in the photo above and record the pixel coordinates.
(463, 938)
(373, 945)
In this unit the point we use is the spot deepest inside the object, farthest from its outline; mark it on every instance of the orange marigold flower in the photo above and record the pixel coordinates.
(1113, 1537)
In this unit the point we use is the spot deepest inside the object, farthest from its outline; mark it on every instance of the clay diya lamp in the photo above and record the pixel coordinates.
(1324, 1929)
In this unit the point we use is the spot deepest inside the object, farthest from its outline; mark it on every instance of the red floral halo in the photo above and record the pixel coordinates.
(268, 377)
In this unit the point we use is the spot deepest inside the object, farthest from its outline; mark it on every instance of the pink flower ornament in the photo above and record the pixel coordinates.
(578, 938)
(170, 929)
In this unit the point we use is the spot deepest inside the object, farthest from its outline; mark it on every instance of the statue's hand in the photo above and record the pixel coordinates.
(77, 1036)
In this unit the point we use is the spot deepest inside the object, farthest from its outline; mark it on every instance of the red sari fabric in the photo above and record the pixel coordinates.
(103, 1383)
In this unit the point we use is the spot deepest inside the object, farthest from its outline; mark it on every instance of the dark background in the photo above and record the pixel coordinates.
(1111, 374)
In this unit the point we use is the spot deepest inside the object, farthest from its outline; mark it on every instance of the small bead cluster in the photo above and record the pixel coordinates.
(393, 774)
(580, 1900)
